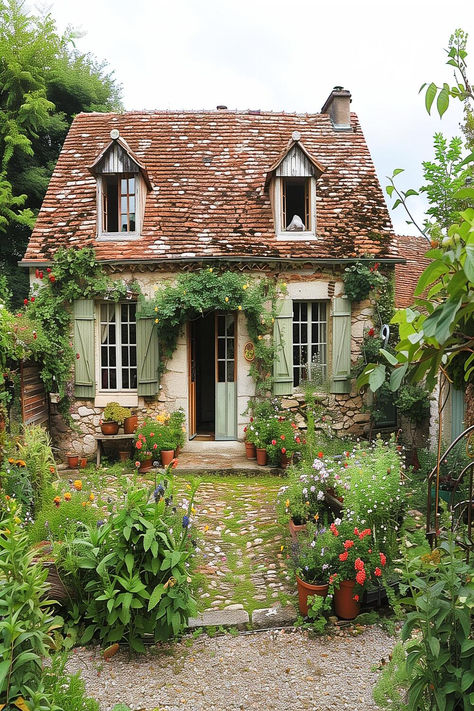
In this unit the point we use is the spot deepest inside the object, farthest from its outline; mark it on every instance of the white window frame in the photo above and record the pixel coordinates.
(103, 236)
(281, 232)
(309, 342)
(118, 356)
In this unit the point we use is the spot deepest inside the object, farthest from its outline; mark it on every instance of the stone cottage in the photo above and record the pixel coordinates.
(156, 193)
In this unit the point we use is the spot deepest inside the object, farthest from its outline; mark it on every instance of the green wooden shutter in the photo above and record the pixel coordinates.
(84, 373)
(341, 345)
(147, 357)
(283, 342)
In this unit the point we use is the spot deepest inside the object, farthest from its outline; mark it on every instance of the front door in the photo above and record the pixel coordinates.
(212, 379)
(226, 380)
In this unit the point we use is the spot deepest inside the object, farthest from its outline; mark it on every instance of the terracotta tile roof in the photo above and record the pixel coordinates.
(413, 249)
(207, 171)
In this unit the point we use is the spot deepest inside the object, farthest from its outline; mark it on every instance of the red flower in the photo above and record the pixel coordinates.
(77, 356)
(383, 559)
(334, 530)
(41, 275)
(48, 269)
(348, 544)
(320, 455)
(356, 598)
(274, 441)
(37, 272)
(283, 450)
(356, 531)
(139, 444)
(32, 299)
(174, 463)
(360, 577)
(52, 278)
(35, 335)
(152, 434)
(297, 440)
(332, 578)
(293, 425)
(25, 301)
(371, 332)
(343, 556)
(245, 429)
(377, 572)
(282, 436)
(359, 564)
(155, 446)
(346, 465)
(251, 419)
(137, 464)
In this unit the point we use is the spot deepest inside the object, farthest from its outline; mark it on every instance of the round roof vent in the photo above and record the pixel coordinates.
(296, 135)
(114, 134)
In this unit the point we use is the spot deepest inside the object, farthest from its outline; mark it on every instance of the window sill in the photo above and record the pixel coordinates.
(296, 236)
(119, 237)
(125, 399)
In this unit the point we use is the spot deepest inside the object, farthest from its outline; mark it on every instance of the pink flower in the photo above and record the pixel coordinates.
(377, 572)
(343, 556)
(356, 598)
(139, 444)
(282, 436)
(155, 446)
(348, 544)
(359, 564)
(274, 441)
(283, 450)
(137, 464)
(360, 577)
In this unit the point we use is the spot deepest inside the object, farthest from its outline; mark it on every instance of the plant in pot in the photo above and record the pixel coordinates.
(358, 562)
(112, 417)
(130, 423)
(261, 435)
(284, 441)
(314, 558)
(250, 438)
(146, 444)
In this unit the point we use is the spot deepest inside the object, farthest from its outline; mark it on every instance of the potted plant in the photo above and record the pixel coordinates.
(112, 417)
(314, 558)
(249, 432)
(285, 441)
(167, 453)
(177, 429)
(146, 444)
(72, 461)
(261, 435)
(358, 562)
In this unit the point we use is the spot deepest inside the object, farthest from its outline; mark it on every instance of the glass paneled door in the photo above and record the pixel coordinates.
(226, 377)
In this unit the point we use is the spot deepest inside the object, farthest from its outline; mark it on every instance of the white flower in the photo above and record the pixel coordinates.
(320, 495)
(313, 543)
(312, 489)
(337, 521)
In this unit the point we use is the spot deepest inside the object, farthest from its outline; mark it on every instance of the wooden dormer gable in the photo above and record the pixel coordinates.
(117, 157)
(295, 162)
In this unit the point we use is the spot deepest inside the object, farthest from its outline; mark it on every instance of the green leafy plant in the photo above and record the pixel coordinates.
(62, 514)
(16, 483)
(114, 412)
(65, 691)
(35, 449)
(319, 608)
(25, 622)
(440, 656)
(315, 556)
(177, 428)
(360, 279)
(132, 570)
(302, 499)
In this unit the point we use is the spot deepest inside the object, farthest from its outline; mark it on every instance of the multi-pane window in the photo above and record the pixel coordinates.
(309, 341)
(225, 348)
(118, 203)
(118, 346)
(295, 202)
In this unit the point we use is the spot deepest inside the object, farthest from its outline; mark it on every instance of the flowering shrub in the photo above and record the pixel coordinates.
(303, 499)
(315, 555)
(372, 484)
(133, 570)
(63, 513)
(357, 556)
(285, 438)
(360, 279)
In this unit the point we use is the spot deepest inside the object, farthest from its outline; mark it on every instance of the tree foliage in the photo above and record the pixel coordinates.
(44, 82)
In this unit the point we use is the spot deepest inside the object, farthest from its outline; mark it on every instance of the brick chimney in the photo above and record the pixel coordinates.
(338, 106)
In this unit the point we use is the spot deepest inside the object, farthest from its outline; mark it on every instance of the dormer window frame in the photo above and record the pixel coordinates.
(106, 235)
(310, 198)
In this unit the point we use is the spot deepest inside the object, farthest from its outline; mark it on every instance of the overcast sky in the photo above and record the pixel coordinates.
(285, 55)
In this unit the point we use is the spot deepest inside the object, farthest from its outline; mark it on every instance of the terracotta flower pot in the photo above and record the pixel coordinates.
(124, 455)
(83, 462)
(285, 461)
(167, 455)
(130, 424)
(307, 589)
(146, 465)
(250, 452)
(73, 461)
(295, 528)
(109, 428)
(261, 453)
(344, 604)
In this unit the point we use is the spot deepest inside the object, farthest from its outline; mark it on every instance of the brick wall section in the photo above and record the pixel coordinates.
(413, 249)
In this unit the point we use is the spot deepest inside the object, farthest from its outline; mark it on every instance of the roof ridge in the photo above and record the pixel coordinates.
(245, 112)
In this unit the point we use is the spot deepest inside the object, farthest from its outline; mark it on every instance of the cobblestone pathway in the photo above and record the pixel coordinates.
(240, 560)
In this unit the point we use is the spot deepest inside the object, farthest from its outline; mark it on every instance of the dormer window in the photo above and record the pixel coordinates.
(119, 203)
(292, 182)
(122, 184)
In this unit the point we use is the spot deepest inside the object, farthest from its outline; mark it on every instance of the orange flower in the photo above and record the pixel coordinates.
(67, 496)
(78, 485)
(21, 463)
(52, 469)
(91, 497)
(56, 500)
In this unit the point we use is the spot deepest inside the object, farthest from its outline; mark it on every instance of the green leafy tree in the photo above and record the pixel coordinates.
(44, 82)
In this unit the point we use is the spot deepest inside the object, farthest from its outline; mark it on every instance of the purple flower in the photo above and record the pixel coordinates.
(185, 521)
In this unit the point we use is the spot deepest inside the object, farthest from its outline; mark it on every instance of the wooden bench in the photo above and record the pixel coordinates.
(109, 438)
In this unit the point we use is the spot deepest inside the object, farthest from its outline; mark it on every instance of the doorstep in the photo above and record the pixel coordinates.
(220, 457)
(236, 616)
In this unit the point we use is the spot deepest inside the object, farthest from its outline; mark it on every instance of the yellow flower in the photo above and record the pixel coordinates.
(260, 337)
(240, 308)
(206, 528)
(185, 292)
(316, 517)
(91, 497)
(67, 496)
(11, 460)
(287, 503)
(157, 320)
(188, 487)
(156, 308)
(193, 510)
(226, 299)
(211, 269)
(284, 284)
(282, 548)
(84, 503)
(17, 520)
(245, 286)
(77, 485)
(156, 287)
(307, 503)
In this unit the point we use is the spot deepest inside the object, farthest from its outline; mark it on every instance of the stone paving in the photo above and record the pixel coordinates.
(242, 549)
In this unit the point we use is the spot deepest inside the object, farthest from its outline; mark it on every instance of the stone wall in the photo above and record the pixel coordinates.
(344, 415)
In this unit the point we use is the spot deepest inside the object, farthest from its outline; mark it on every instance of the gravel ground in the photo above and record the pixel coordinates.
(271, 670)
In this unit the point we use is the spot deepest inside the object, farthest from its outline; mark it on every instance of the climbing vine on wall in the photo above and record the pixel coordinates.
(198, 293)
